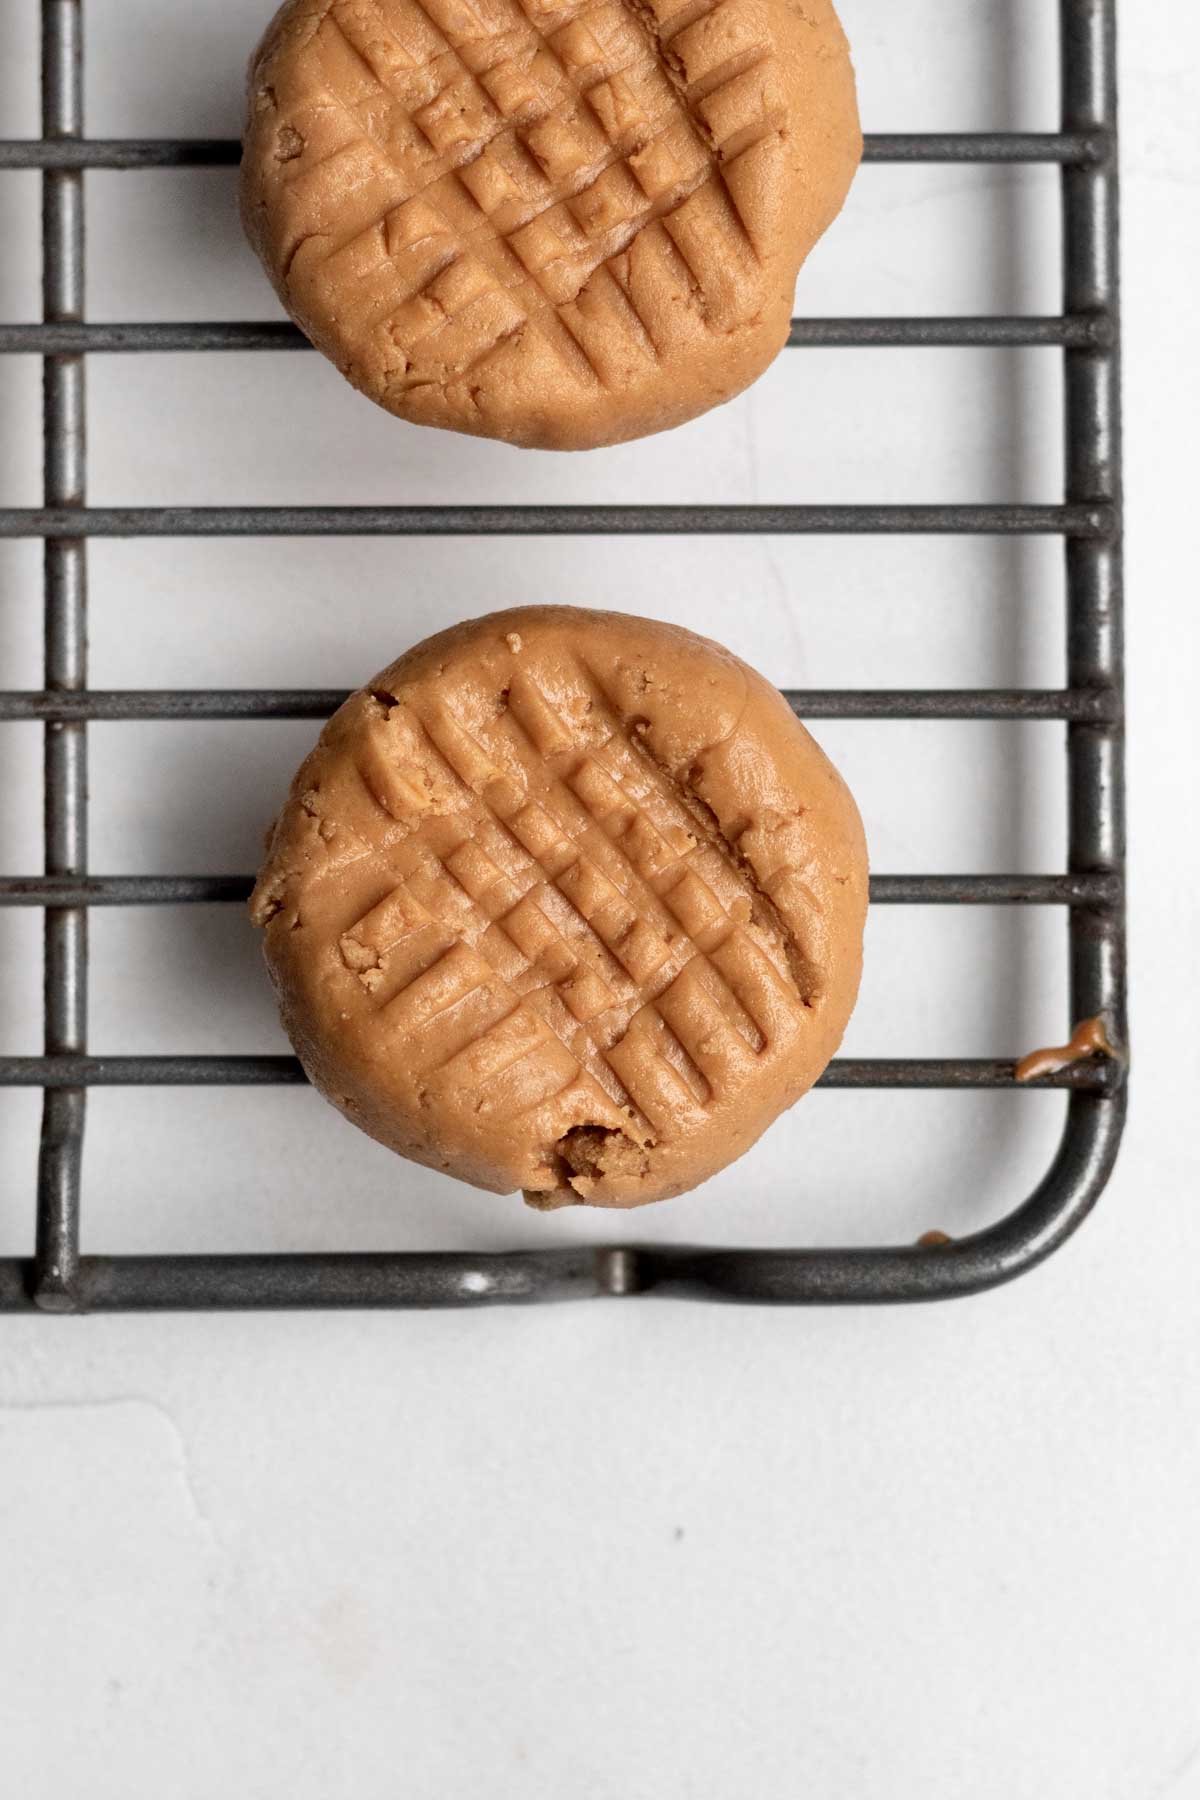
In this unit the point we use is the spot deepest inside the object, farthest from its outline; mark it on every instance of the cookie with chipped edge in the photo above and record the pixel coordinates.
(567, 902)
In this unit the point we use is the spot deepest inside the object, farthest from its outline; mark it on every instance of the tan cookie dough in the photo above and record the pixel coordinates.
(563, 224)
(566, 901)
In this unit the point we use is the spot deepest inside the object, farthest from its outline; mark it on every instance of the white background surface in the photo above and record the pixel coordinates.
(639, 1549)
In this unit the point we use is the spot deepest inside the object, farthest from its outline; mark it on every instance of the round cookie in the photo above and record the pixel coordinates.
(566, 901)
(561, 224)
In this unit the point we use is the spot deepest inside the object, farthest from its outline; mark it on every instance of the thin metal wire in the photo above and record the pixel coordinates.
(1089, 705)
(272, 1071)
(1011, 332)
(1095, 647)
(1091, 891)
(1094, 574)
(1102, 889)
(65, 578)
(1091, 521)
(947, 147)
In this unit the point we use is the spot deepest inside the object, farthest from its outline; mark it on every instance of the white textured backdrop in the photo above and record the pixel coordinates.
(623, 1549)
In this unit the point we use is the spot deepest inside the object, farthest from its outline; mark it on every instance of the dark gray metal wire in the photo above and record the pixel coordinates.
(1091, 705)
(1090, 521)
(1099, 889)
(274, 1071)
(65, 936)
(1078, 147)
(60, 338)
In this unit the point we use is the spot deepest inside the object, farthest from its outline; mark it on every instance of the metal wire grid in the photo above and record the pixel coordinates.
(58, 1278)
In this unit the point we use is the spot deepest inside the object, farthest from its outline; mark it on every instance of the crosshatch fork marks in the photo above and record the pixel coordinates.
(479, 239)
(600, 925)
(542, 142)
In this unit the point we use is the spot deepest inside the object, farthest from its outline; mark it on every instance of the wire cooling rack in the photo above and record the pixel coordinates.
(57, 1278)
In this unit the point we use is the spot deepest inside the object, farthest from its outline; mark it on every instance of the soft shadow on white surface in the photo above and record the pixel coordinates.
(220, 1172)
(293, 432)
(813, 611)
